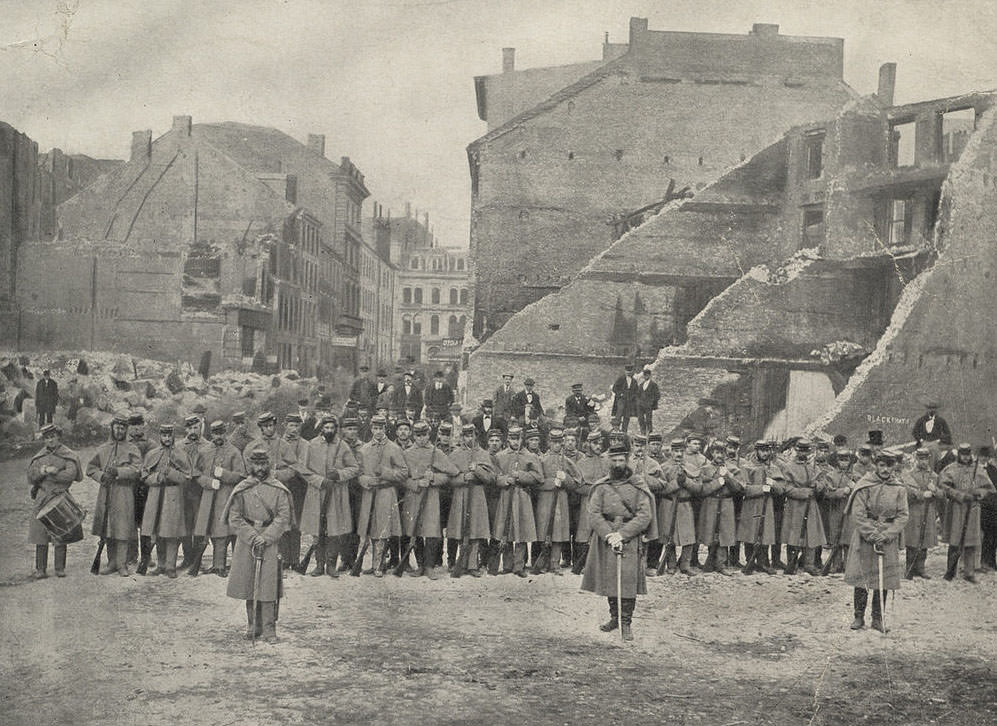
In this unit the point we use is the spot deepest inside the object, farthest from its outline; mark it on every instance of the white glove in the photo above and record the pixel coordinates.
(215, 483)
(615, 540)
(766, 488)
(218, 472)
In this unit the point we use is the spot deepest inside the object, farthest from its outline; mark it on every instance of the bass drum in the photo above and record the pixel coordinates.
(63, 518)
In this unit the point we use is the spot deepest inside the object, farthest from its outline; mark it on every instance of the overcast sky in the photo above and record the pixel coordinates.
(390, 82)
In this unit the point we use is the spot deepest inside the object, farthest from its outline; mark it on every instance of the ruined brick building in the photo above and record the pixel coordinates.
(572, 153)
(844, 270)
(224, 240)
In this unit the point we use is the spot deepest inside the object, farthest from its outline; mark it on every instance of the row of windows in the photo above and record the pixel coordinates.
(410, 295)
(438, 264)
(413, 326)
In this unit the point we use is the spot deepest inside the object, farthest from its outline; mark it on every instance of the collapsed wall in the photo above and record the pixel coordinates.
(940, 342)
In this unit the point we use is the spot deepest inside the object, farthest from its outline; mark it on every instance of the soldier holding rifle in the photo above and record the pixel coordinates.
(921, 532)
(965, 483)
(259, 511)
(165, 472)
(225, 469)
(382, 469)
(468, 520)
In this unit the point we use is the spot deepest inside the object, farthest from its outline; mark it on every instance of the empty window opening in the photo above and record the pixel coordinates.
(571, 155)
(902, 144)
(901, 214)
(954, 129)
(815, 155)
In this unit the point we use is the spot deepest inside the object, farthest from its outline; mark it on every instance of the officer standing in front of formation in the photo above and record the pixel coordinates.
(259, 512)
(878, 508)
(116, 465)
(964, 483)
(225, 468)
(164, 472)
(922, 530)
(621, 509)
(51, 472)
(326, 514)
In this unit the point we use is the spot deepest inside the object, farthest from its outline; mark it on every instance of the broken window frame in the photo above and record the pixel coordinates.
(894, 138)
(813, 145)
(898, 227)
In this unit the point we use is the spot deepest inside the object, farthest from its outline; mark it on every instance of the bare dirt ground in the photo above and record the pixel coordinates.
(708, 649)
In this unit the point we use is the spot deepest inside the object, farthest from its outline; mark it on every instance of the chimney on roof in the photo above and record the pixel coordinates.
(887, 83)
(768, 30)
(408, 209)
(316, 143)
(291, 189)
(637, 26)
(508, 60)
(181, 124)
(141, 146)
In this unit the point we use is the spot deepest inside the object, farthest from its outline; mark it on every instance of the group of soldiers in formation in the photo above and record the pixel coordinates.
(504, 497)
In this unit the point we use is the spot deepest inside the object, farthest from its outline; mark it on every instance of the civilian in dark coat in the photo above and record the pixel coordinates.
(647, 401)
(408, 396)
(578, 404)
(526, 397)
(486, 420)
(46, 397)
(438, 397)
(363, 390)
(503, 397)
(932, 427)
(625, 397)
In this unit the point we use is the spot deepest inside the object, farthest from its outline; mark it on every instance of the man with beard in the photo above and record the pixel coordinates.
(964, 483)
(116, 465)
(165, 472)
(259, 512)
(382, 469)
(802, 528)
(592, 467)
(716, 527)
(551, 513)
(468, 505)
(519, 471)
(429, 470)
(51, 472)
(326, 514)
(225, 468)
(195, 468)
(290, 470)
(621, 511)
(836, 485)
(240, 437)
(921, 532)
(878, 508)
(757, 524)
(578, 404)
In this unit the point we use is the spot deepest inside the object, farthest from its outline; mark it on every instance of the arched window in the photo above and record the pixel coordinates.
(416, 327)
(434, 325)
(407, 295)
(436, 296)
(463, 296)
(406, 325)
(452, 330)
(453, 295)
(460, 263)
(418, 295)
(460, 325)
(415, 263)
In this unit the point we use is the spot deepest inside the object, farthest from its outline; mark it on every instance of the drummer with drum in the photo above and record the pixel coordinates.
(57, 517)
(116, 466)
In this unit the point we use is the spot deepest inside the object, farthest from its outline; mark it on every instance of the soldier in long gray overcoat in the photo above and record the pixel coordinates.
(559, 476)
(513, 522)
(225, 469)
(165, 472)
(259, 512)
(965, 484)
(116, 465)
(922, 528)
(468, 503)
(621, 508)
(878, 508)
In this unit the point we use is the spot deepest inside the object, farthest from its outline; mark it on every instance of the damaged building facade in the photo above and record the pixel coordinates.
(572, 153)
(226, 243)
(830, 282)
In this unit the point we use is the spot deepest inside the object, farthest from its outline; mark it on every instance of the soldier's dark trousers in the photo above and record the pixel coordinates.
(218, 553)
(915, 562)
(629, 603)
(452, 545)
(581, 554)
(653, 554)
(775, 556)
(351, 544)
(514, 557)
(41, 559)
(860, 599)
(290, 547)
(966, 555)
(166, 554)
(685, 559)
(756, 563)
(427, 550)
(988, 528)
(396, 547)
(265, 619)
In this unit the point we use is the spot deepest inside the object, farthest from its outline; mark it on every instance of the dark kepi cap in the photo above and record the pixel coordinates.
(192, 420)
(121, 417)
(639, 439)
(239, 417)
(576, 386)
(259, 455)
(529, 382)
(465, 429)
(136, 419)
(50, 429)
(677, 443)
(353, 421)
(166, 428)
(839, 440)
(377, 420)
(594, 436)
(328, 417)
(618, 450)
(445, 428)
(199, 409)
(419, 427)
(628, 367)
(922, 453)
(217, 427)
(823, 445)
(508, 375)
(292, 418)
(515, 432)
(399, 423)
(495, 433)
(655, 438)
(488, 403)
(733, 440)
(885, 456)
(803, 445)
(554, 435)
(532, 433)
(865, 449)
(265, 417)
(761, 444)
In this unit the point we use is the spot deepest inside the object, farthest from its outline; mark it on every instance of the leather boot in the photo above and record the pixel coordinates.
(922, 555)
(41, 562)
(378, 557)
(628, 614)
(613, 622)
(145, 553)
(581, 554)
(734, 556)
(432, 547)
(818, 559)
(809, 561)
(775, 556)
(720, 561)
(694, 557)
(710, 564)
(452, 546)
(911, 563)
(120, 547)
(792, 558)
(112, 565)
(60, 560)
(953, 561)
(877, 611)
(684, 559)
(219, 551)
(320, 559)
(332, 549)
(473, 568)
(860, 597)
(269, 627)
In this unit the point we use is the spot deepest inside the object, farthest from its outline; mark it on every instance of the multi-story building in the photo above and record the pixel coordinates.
(378, 276)
(572, 154)
(202, 243)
